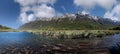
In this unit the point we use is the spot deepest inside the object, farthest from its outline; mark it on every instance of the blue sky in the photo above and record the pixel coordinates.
(14, 13)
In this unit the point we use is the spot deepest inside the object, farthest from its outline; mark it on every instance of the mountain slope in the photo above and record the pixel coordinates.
(4, 27)
(77, 21)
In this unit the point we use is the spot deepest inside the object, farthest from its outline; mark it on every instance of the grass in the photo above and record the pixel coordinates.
(6, 30)
(74, 34)
(62, 41)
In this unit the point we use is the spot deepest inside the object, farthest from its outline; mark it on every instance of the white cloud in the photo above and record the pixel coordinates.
(23, 17)
(43, 11)
(26, 2)
(25, 9)
(32, 9)
(85, 3)
(85, 12)
(34, 2)
(114, 14)
(107, 4)
(31, 17)
(47, 1)
(112, 7)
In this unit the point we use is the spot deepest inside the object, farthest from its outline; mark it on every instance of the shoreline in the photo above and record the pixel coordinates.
(61, 44)
(74, 34)
(9, 30)
(69, 34)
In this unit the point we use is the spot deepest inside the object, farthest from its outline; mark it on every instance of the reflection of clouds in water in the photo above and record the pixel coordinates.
(109, 41)
(11, 38)
(22, 38)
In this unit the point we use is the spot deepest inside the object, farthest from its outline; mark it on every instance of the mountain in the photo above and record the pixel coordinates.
(78, 21)
(4, 27)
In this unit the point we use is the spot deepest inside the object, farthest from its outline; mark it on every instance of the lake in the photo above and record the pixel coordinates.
(16, 38)
(25, 39)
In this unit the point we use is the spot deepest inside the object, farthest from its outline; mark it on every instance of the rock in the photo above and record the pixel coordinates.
(56, 48)
(44, 46)
(59, 45)
(69, 48)
(48, 50)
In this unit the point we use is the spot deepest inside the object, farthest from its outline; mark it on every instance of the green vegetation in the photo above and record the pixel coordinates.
(78, 23)
(115, 28)
(4, 28)
(74, 34)
(81, 26)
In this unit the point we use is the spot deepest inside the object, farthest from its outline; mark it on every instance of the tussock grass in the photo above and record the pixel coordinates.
(74, 34)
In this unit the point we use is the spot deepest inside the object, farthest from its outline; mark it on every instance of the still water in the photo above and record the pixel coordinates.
(16, 38)
(21, 39)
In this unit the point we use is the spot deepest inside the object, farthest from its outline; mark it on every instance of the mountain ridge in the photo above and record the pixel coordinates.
(77, 21)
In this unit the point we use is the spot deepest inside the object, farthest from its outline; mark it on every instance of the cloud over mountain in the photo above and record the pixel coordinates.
(112, 7)
(32, 9)
(114, 14)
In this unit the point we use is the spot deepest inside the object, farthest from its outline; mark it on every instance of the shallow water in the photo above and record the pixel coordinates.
(15, 38)
(22, 39)
(8, 38)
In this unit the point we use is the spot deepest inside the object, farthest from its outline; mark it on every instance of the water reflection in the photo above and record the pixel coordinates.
(23, 39)
(14, 38)
(110, 41)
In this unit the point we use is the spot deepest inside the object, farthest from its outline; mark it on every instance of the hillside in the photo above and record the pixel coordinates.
(4, 27)
(76, 21)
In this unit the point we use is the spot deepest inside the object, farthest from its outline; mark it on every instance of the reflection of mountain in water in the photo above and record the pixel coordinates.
(24, 40)
(108, 41)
